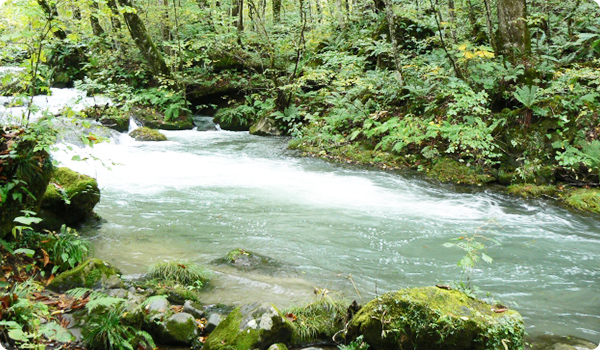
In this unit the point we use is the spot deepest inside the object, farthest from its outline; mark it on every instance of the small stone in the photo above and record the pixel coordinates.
(191, 309)
(159, 305)
(213, 321)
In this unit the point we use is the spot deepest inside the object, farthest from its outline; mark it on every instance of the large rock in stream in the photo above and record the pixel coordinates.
(436, 319)
(253, 326)
(70, 199)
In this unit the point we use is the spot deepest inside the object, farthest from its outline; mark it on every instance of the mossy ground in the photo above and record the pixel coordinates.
(584, 199)
(88, 274)
(531, 190)
(146, 134)
(317, 321)
(436, 319)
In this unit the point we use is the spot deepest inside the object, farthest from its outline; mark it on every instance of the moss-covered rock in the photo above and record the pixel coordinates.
(92, 273)
(179, 329)
(584, 199)
(436, 319)
(154, 119)
(278, 346)
(449, 170)
(69, 199)
(531, 190)
(247, 261)
(253, 326)
(147, 134)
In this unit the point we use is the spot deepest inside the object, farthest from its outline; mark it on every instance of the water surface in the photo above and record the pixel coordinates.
(202, 194)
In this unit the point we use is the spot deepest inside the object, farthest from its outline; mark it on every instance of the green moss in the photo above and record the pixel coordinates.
(584, 199)
(70, 197)
(230, 334)
(319, 320)
(247, 260)
(147, 134)
(88, 274)
(154, 119)
(531, 190)
(436, 319)
(181, 332)
(449, 170)
(278, 346)
(227, 335)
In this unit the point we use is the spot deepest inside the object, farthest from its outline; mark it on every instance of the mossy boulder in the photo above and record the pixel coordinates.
(179, 329)
(266, 126)
(436, 319)
(584, 199)
(247, 261)
(154, 119)
(147, 134)
(92, 273)
(253, 326)
(449, 170)
(70, 199)
(110, 116)
(531, 190)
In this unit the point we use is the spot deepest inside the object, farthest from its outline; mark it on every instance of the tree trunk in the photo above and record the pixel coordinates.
(51, 13)
(240, 22)
(490, 27)
(319, 10)
(276, 11)
(140, 36)
(94, 22)
(390, 16)
(515, 39)
(451, 10)
(114, 19)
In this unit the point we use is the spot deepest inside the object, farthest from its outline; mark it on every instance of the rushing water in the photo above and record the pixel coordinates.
(202, 194)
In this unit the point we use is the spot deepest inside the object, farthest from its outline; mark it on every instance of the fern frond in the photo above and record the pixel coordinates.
(108, 302)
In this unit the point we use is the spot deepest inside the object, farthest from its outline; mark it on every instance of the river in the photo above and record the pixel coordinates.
(202, 194)
(357, 232)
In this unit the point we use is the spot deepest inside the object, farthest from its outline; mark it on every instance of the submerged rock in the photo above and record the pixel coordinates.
(147, 134)
(246, 260)
(252, 326)
(70, 199)
(436, 319)
(92, 273)
(265, 127)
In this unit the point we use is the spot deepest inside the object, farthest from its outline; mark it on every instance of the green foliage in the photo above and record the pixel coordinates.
(172, 104)
(474, 249)
(321, 319)
(357, 344)
(68, 249)
(179, 272)
(105, 329)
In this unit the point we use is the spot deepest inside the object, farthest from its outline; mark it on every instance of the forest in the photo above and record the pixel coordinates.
(470, 96)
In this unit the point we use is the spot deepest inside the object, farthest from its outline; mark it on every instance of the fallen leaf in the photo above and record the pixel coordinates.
(46, 257)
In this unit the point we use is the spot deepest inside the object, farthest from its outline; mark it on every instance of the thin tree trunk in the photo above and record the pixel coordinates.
(114, 19)
(94, 22)
(276, 11)
(389, 13)
(340, 13)
(140, 36)
(451, 10)
(438, 21)
(319, 10)
(51, 14)
(240, 22)
(490, 26)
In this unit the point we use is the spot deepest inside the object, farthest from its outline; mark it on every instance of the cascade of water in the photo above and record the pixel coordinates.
(132, 124)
